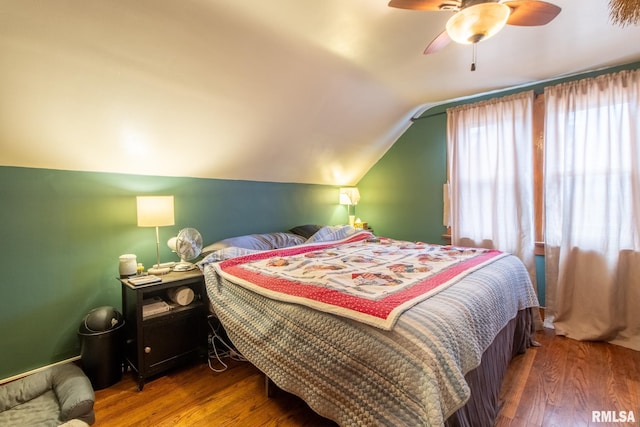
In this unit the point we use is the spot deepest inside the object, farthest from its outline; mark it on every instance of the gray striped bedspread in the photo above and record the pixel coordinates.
(357, 374)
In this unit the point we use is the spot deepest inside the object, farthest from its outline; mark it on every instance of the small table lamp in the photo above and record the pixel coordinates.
(350, 196)
(155, 211)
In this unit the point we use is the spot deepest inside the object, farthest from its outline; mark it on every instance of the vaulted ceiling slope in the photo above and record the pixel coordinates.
(278, 90)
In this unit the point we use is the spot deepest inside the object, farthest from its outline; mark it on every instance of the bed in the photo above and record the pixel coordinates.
(434, 355)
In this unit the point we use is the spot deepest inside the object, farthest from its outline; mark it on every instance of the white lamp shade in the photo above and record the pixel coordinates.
(155, 211)
(349, 196)
(477, 22)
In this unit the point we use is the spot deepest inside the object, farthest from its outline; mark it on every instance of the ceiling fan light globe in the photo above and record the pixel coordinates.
(477, 22)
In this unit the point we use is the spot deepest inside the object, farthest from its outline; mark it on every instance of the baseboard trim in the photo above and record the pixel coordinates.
(24, 374)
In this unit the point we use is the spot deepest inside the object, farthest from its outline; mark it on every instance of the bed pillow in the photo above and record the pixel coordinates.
(225, 253)
(261, 242)
(332, 232)
(305, 231)
(283, 240)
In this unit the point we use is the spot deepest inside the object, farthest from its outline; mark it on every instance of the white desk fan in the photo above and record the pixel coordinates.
(188, 245)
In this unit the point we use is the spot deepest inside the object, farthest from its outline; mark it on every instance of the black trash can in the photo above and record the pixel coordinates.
(101, 346)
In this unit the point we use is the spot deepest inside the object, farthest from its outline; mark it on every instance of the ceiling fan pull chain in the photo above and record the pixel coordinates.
(473, 58)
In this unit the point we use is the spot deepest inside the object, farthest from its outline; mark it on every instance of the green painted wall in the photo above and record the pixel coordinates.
(401, 196)
(62, 232)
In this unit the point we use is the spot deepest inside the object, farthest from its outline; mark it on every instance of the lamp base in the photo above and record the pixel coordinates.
(184, 266)
(159, 270)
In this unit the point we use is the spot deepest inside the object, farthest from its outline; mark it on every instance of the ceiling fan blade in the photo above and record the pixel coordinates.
(425, 4)
(438, 43)
(530, 13)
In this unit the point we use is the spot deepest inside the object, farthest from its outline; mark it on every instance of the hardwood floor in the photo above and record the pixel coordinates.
(563, 381)
(197, 396)
(557, 384)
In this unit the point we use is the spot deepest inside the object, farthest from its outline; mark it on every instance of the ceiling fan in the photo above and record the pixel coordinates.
(477, 20)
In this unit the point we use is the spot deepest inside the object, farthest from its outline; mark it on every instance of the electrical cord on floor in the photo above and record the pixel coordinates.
(215, 355)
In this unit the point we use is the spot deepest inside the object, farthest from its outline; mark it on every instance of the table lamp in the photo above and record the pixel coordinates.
(350, 196)
(155, 211)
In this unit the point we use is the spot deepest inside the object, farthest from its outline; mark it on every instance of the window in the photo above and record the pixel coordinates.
(490, 152)
(592, 208)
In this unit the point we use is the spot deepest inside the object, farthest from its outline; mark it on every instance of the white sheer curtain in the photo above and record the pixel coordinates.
(490, 153)
(592, 208)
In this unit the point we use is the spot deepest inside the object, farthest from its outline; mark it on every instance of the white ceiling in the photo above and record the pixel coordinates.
(277, 90)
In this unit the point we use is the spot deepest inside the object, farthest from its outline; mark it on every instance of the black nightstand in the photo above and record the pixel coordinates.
(157, 342)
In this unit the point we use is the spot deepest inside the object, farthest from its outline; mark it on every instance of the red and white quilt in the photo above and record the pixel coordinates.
(372, 280)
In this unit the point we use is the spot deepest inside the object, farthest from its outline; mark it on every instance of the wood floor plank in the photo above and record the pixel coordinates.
(514, 385)
(534, 401)
(557, 384)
